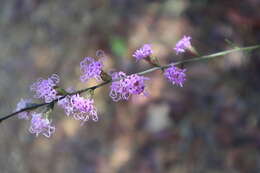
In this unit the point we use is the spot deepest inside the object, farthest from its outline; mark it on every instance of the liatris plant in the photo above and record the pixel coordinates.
(122, 86)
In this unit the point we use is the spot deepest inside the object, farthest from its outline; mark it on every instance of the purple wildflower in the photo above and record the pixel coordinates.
(175, 75)
(23, 103)
(182, 45)
(44, 88)
(65, 104)
(41, 125)
(90, 69)
(80, 107)
(143, 52)
(123, 86)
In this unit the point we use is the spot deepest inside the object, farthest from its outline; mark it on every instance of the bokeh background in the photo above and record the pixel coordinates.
(210, 125)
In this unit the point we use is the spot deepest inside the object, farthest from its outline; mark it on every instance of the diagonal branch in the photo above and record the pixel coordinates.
(201, 58)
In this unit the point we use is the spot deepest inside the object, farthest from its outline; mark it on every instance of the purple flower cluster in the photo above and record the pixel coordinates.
(182, 45)
(38, 123)
(44, 88)
(23, 103)
(83, 109)
(175, 75)
(123, 86)
(79, 107)
(41, 125)
(143, 52)
(90, 69)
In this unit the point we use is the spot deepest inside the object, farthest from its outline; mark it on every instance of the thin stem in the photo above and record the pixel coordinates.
(201, 58)
(22, 110)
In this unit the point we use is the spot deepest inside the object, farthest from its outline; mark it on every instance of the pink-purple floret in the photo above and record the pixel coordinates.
(41, 125)
(182, 45)
(123, 86)
(79, 107)
(90, 68)
(143, 52)
(44, 88)
(175, 75)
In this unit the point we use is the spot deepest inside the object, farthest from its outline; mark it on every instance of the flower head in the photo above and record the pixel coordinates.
(23, 103)
(143, 52)
(175, 75)
(41, 125)
(182, 45)
(44, 88)
(66, 105)
(90, 69)
(79, 107)
(123, 86)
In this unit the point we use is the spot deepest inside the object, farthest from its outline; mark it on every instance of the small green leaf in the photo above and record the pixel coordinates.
(118, 45)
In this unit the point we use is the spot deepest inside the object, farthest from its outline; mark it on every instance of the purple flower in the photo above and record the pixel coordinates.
(175, 75)
(23, 103)
(123, 86)
(40, 125)
(44, 88)
(90, 69)
(182, 45)
(79, 107)
(65, 104)
(143, 52)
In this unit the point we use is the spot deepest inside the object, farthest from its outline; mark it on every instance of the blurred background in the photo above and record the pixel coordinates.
(210, 125)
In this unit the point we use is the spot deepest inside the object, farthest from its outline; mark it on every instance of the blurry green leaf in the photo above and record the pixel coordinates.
(118, 46)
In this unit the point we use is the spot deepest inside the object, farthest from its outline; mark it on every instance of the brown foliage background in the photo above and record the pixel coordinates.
(210, 125)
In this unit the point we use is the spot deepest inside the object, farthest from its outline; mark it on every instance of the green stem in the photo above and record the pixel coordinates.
(201, 58)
